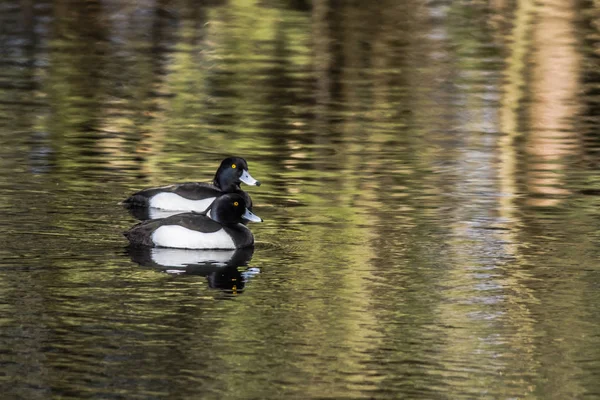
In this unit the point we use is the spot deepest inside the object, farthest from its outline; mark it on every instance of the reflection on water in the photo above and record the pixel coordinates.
(162, 257)
(222, 268)
(430, 199)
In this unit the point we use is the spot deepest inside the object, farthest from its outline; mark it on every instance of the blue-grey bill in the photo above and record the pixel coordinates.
(251, 217)
(248, 179)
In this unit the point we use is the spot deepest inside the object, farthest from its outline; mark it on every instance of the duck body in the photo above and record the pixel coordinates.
(189, 196)
(218, 228)
(196, 196)
(190, 231)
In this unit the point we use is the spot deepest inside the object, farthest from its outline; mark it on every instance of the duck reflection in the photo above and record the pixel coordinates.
(223, 269)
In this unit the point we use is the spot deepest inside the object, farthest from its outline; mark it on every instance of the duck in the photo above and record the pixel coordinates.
(197, 196)
(219, 227)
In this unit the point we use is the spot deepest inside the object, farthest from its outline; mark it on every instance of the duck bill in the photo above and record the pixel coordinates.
(251, 217)
(248, 179)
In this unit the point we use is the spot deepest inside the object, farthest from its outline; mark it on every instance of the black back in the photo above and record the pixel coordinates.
(188, 190)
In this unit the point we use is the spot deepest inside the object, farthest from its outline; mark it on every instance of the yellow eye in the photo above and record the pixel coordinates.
(235, 203)
(233, 165)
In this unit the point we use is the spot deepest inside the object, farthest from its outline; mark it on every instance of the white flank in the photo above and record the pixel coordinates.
(183, 257)
(182, 238)
(156, 213)
(172, 201)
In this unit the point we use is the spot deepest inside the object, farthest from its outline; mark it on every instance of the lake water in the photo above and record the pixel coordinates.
(430, 199)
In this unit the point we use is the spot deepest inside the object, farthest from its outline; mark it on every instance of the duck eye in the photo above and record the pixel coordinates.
(235, 204)
(233, 165)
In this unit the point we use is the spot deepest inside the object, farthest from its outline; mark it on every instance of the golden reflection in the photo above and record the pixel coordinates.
(555, 75)
(542, 85)
(513, 98)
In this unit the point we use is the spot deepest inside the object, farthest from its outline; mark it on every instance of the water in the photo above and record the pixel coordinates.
(430, 197)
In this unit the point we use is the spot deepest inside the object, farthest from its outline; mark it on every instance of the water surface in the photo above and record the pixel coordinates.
(430, 197)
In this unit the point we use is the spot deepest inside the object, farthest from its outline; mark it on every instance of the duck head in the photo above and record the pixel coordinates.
(231, 209)
(231, 172)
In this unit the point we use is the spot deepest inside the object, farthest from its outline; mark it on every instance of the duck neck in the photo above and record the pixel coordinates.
(226, 182)
(227, 187)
